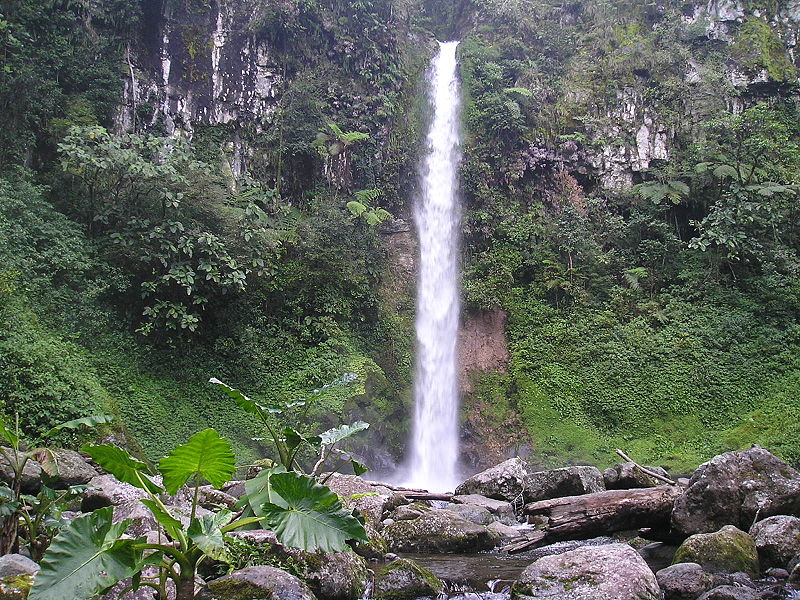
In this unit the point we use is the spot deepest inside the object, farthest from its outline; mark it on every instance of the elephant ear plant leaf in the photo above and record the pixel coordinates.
(204, 455)
(311, 516)
(87, 557)
(123, 466)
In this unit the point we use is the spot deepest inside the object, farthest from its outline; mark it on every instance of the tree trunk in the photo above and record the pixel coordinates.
(184, 588)
(582, 517)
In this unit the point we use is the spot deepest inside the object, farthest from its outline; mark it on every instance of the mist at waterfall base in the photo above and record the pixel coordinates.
(432, 462)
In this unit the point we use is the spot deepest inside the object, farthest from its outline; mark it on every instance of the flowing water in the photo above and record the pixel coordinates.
(434, 446)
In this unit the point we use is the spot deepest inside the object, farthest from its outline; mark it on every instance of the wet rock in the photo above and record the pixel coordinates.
(404, 579)
(777, 540)
(502, 511)
(627, 475)
(71, 469)
(234, 488)
(106, 490)
(381, 499)
(504, 532)
(143, 520)
(567, 481)
(472, 513)
(778, 573)
(13, 565)
(438, 531)
(658, 554)
(732, 488)
(731, 592)
(258, 582)
(409, 511)
(728, 550)
(684, 581)
(505, 481)
(31, 474)
(375, 548)
(610, 572)
(330, 575)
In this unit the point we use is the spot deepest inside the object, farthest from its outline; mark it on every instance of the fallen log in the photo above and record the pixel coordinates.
(533, 539)
(601, 513)
(426, 496)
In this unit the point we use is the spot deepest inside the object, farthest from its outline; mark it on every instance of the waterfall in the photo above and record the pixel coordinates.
(434, 446)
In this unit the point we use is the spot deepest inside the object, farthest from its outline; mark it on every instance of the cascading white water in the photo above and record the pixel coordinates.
(434, 447)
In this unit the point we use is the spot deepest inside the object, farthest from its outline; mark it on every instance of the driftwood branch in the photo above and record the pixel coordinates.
(533, 539)
(427, 496)
(645, 470)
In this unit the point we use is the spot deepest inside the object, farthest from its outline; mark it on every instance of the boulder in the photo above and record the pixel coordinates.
(72, 469)
(735, 487)
(472, 513)
(502, 510)
(143, 521)
(658, 554)
(437, 530)
(777, 540)
(731, 592)
(106, 490)
(373, 506)
(258, 582)
(626, 476)
(213, 499)
(330, 575)
(505, 481)
(503, 532)
(609, 572)
(567, 481)
(728, 550)
(404, 579)
(684, 581)
(13, 565)
(31, 481)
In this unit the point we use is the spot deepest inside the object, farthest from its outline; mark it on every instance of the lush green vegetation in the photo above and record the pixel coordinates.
(654, 310)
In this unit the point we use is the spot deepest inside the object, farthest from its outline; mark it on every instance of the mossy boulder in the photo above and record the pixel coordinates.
(15, 587)
(404, 579)
(728, 550)
(436, 530)
(330, 575)
(258, 583)
(608, 572)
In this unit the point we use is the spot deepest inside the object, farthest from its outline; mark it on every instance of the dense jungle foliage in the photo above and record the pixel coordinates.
(657, 313)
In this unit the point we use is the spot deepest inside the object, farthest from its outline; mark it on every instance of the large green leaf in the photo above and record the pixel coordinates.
(86, 558)
(244, 402)
(312, 518)
(337, 434)
(82, 422)
(123, 466)
(205, 454)
(171, 525)
(206, 533)
(258, 492)
(7, 433)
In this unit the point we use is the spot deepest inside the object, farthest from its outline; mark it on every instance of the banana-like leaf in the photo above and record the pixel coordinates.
(205, 454)
(337, 434)
(7, 433)
(82, 422)
(123, 466)
(86, 558)
(313, 517)
(206, 533)
(170, 524)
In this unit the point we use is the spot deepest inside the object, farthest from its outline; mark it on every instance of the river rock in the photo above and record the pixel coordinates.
(376, 548)
(258, 582)
(502, 510)
(503, 532)
(505, 481)
(403, 579)
(373, 506)
(13, 565)
(437, 530)
(731, 592)
(15, 587)
(213, 499)
(567, 481)
(609, 572)
(626, 476)
(777, 540)
(71, 469)
(732, 488)
(330, 575)
(106, 490)
(31, 481)
(728, 550)
(684, 581)
(472, 513)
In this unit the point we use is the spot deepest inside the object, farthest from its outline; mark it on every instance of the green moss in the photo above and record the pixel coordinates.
(757, 46)
(15, 587)
(403, 579)
(728, 550)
